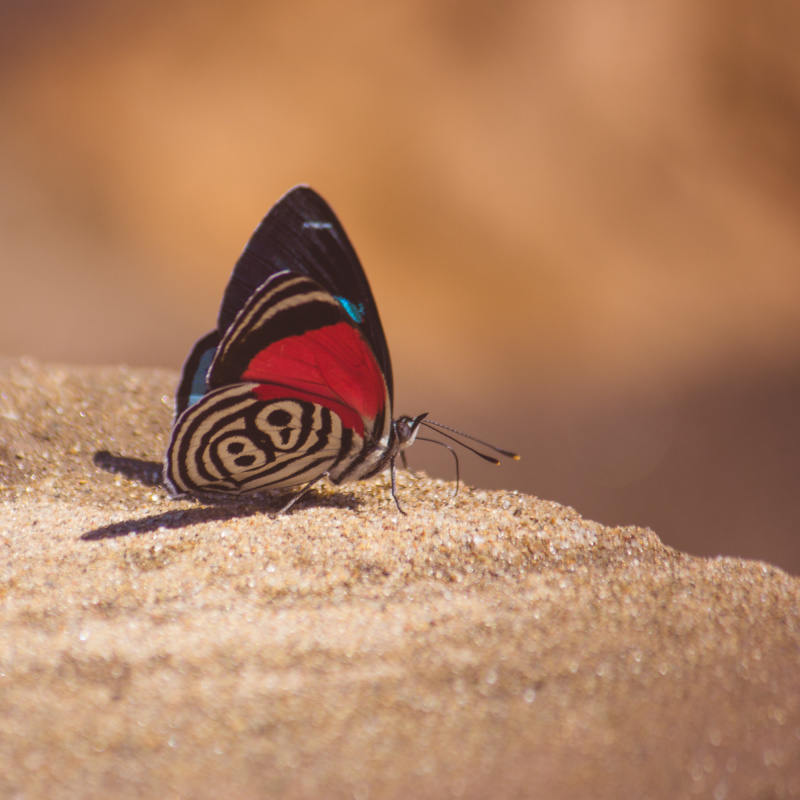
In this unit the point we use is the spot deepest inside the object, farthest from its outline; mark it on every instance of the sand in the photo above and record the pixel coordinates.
(492, 645)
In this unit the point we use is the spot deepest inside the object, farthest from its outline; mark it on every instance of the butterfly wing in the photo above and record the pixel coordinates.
(302, 234)
(232, 441)
(193, 383)
(292, 333)
(295, 391)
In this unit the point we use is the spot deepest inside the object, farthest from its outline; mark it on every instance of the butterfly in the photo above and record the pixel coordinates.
(295, 382)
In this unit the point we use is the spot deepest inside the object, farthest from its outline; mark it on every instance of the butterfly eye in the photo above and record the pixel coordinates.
(406, 429)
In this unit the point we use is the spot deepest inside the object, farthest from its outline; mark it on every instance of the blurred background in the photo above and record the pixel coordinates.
(580, 220)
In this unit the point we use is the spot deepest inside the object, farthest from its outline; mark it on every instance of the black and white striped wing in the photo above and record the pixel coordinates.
(232, 442)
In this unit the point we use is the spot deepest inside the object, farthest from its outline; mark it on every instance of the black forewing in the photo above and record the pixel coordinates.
(302, 234)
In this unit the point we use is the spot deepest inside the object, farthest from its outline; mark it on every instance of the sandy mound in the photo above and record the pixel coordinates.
(495, 645)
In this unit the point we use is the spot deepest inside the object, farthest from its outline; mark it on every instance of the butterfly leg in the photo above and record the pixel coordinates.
(299, 494)
(394, 488)
(405, 464)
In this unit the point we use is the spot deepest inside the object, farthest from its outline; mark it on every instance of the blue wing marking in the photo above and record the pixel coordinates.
(199, 385)
(355, 312)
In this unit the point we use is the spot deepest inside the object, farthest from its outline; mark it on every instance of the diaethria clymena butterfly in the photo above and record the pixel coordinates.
(295, 382)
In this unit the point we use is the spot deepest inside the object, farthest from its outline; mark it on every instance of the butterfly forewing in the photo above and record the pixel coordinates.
(286, 306)
(294, 334)
(300, 234)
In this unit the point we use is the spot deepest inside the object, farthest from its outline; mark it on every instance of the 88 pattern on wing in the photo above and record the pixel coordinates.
(239, 444)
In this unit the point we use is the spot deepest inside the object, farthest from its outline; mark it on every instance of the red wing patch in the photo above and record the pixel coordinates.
(333, 364)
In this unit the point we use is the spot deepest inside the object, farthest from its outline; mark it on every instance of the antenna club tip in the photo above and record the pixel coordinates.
(515, 457)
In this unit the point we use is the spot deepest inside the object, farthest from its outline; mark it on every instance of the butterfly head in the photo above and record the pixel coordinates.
(406, 429)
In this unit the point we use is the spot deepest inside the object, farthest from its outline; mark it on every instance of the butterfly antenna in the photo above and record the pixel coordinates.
(455, 456)
(484, 456)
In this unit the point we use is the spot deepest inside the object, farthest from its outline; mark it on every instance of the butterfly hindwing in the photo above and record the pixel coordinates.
(232, 441)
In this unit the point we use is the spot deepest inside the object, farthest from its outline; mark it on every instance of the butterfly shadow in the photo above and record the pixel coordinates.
(148, 473)
(215, 508)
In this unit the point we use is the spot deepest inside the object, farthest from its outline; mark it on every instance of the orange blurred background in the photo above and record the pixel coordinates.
(579, 219)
